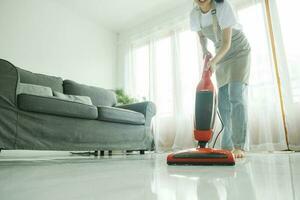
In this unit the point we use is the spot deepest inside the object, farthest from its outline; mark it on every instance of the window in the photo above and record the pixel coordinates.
(189, 68)
(261, 65)
(166, 70)
(163, 76)
(141, 69)
(288, 11)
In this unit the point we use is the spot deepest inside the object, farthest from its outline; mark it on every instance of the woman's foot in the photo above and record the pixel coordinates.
(238, 153)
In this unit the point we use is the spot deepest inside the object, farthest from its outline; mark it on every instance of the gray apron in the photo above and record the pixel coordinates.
(235, 65)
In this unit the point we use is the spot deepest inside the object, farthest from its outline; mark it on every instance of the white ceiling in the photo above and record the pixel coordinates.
(119, 15)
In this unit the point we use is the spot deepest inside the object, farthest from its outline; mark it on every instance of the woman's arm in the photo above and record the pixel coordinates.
(203, 42)
(226, 34)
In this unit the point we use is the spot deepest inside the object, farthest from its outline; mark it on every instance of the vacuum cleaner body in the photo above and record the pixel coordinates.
(205, 113)
(205, 109)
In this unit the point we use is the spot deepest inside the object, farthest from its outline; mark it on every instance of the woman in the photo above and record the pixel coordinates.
(215, 20)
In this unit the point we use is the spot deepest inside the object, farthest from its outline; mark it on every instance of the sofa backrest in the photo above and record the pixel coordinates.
(99, 96)
(55, 83)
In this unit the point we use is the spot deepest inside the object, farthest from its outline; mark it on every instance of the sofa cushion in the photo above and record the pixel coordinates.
(118, 115)
(99, 96)
(79, 99)
(56, 106)
(24, 88)
(55, 83)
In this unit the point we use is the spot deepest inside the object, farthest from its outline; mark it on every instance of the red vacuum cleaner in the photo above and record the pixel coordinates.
(205, 113)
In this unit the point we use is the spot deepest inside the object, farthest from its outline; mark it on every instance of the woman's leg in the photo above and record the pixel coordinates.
(238, 95)
(224, 108)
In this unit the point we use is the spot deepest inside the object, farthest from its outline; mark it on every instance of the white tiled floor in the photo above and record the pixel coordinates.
(60, 176)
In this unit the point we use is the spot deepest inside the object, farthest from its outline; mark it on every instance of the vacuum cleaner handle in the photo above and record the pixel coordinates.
(206, 59)
(206, 72)
(205, 82)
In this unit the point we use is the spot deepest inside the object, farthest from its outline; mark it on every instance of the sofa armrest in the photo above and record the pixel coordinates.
(9, 79)
(147, 108)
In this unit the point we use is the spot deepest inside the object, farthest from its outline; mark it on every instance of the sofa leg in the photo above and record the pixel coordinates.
(109, 152)
(142, 152)
(101, 153)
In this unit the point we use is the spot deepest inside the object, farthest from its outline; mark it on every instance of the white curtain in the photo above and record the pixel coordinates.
(266, 130)
(285, 15)
(164, 64)
(166, 71)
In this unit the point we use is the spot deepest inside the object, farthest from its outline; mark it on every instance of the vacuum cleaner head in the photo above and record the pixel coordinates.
(201, 156)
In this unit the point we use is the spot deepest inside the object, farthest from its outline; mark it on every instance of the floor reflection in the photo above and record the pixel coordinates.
(256, 177)
(148, 177)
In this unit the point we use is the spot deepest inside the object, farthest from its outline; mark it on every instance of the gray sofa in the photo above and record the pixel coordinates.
(40, 122)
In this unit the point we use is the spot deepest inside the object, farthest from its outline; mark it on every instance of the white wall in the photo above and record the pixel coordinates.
(44, 37)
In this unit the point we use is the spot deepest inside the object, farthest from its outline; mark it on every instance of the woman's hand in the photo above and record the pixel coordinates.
(206, 53)
(211, 65)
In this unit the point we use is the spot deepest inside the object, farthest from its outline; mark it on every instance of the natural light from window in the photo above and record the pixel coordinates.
(164, 76)
(261, 72)
(141, 68)
(288, 11)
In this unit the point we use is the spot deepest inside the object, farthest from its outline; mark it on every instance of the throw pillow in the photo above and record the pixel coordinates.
(79, 99)
(38, 90)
